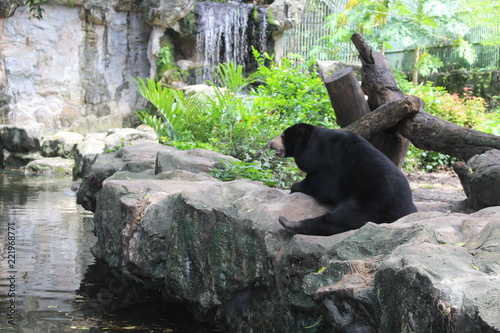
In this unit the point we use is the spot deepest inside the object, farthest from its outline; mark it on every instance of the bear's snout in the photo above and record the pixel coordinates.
(276, 144)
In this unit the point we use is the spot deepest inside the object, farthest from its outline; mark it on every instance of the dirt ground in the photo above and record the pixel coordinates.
(438, 191)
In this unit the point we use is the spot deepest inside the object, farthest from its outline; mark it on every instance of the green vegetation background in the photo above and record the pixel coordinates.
(244, 113)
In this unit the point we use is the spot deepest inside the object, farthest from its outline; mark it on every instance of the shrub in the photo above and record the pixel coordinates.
(240, 124)
(248, 170)
(175, 116)
(292, 92)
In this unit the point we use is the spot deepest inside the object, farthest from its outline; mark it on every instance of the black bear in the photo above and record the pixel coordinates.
(346, 171)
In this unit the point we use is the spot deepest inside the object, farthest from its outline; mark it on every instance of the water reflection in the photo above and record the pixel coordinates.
(50, 282)
(45, 238)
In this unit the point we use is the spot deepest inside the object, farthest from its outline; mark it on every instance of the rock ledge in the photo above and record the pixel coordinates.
(217, 248)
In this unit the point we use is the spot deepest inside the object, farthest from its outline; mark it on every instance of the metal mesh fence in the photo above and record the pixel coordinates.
(307, 35)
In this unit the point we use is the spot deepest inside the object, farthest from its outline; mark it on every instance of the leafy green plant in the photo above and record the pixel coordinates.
(119, 146)
(230, 76)
(239, 124)
(427, 161)
(177, 117)
(36, 10)
(427, 63)
(165, 58)
(246, 170)
(418, 25)
(465, 110)
(167, 69)
(491, 123)
(292, 92)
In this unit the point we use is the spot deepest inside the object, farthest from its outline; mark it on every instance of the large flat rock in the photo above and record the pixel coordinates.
(217, 248)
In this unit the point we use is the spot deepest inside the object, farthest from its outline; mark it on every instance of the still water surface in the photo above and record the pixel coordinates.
(49, 280)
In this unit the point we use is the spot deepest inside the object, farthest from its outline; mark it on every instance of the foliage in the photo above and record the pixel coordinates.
(230, 76)
(292, 92)
(166, 67)
(119, 146)
(427, 64)
(427, 161)
(466, 110)
(239, 124)
(179, 118)
(484, 14)
(492, 123)
(418, 24)
(248, 170)
(165, 58)
(35, 8)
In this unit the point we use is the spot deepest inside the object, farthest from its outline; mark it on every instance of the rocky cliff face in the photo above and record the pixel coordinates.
(72, 69)
(217, 248)
(71, 66)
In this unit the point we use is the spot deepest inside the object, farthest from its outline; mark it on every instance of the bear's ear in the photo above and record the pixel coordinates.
(303, 130)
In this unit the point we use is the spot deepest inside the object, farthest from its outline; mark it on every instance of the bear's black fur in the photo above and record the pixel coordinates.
(346, 171)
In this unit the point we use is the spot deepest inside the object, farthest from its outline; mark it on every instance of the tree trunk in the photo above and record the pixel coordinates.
(347, 98)
(386, 116)
(432, 133)
(416, 58)
(379, 85)
(378, 82)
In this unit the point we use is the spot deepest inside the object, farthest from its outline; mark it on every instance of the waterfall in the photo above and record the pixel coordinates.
(224, 33)
(262, 29)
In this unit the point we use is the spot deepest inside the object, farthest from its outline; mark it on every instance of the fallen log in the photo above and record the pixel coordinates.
(431, 133)
(397, 119)
(386, 116)
(394, 125)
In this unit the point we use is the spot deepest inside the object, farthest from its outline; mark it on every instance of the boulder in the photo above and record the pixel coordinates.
(21, 138)
(8, 7)
(480, 178)
(62, 144)
(86, 151)
(109, 141)
(19, 160)
(167, 14)
(217, 248)
(201, 89)
(212, 243)
(50, 166)
(120, 137)
(195, 160)
(137, 157)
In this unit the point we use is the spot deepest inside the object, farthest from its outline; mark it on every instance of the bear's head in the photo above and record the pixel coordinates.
(284, 145)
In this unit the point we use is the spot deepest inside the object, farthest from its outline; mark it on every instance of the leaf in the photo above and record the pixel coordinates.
(321, 270)
(461, 244)
(350, 4)
(52, 306)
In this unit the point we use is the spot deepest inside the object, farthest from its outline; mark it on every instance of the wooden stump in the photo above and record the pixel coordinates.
(346, 96)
